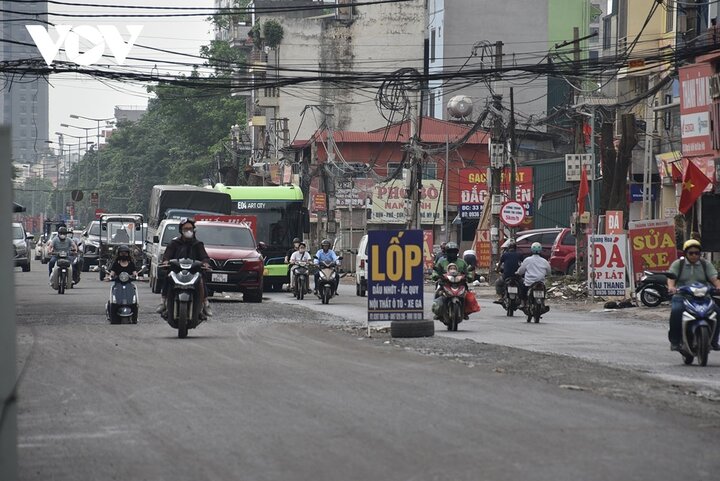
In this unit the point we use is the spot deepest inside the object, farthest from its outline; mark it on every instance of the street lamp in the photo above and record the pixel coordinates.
(77, 137)
(97, 144)
(86, 129)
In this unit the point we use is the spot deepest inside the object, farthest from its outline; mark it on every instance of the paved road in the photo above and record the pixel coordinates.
(598, 336)
(268, 392)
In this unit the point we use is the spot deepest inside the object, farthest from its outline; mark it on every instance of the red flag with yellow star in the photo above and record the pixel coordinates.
(694, 183)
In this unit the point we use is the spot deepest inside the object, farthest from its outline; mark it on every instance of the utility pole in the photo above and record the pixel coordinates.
(511, 154)
(8, 400)
(497, 164)
(330, 174)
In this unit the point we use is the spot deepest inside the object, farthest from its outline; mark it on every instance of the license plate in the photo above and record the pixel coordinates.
(512, 290)
(218, 277)
(539, 294)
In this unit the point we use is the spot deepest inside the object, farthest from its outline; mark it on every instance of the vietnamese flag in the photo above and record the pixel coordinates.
(582, 191)
(693, 185)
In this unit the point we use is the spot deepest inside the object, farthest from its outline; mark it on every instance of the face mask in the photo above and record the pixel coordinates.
(62, 236)
(187, 234)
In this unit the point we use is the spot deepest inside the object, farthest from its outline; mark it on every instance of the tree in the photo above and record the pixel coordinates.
(616, 164)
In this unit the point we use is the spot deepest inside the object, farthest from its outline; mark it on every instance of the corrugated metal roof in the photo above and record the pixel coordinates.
(433, 131)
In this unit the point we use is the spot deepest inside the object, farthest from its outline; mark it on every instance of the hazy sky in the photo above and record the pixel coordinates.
(73, 94)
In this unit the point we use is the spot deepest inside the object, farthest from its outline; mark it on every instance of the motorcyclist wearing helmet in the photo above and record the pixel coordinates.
(509, 263)
(62, 242)
(186, 246)
(441, 254)
(123, 263)
(535, 268)
(451, 259)
(326, 254)
(688, 270)
(300, 255)
(296, 244)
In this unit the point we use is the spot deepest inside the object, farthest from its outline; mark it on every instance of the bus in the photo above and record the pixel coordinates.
(280, 217)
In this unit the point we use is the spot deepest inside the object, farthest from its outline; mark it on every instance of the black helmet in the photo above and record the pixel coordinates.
(62, 230)
(452, 246)
(123, 249)
(296, 240)
(325, 242)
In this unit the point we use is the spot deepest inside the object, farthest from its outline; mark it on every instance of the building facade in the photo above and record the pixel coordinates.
(24, 102)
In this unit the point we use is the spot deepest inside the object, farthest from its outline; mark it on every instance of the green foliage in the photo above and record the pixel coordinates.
(273, 32)
(36, 195)
(172, 143)
(222, 57)
(255, 35)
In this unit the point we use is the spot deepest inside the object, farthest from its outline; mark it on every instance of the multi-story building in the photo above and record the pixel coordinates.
(24, 102)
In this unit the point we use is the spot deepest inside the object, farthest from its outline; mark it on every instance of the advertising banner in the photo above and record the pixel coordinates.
(389, 203)
(353, 192)
(395, 277)
(609, 264)
(483, 249)
(428, 257)
(694, 109)
(474, 190)
(319, 203)
(652, 243)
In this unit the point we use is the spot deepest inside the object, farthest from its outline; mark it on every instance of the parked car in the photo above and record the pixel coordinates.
(361, 267)
(546, 238)
(21, 246)
(562, 259)
(166, 231)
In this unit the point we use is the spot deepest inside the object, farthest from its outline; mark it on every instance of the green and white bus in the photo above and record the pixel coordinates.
(280, 217)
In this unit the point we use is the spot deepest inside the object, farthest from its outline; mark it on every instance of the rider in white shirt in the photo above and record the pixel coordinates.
(533, 269)
(300, 255)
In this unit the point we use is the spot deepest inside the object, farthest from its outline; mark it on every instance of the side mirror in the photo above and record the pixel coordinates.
(104, 227)
(29, 237)
(340, 258)
(156, 239)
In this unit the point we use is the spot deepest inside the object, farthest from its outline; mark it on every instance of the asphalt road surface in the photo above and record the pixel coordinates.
(276, 391)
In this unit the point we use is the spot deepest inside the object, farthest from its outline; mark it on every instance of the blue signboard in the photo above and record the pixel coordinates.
(636, 193)
(395, 275)
(470, 211)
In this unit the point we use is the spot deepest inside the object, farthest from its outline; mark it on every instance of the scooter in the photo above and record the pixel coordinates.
(652, 288)
(699, 322)
(449, 304)
(61, 278)
(327, 281)
(301, 275)
(536, 302)
(183, 301)
(122, 307)
(511, 295)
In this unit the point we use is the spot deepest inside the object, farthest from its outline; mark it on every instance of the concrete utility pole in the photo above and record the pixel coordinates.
(511, 154)
(8, 360)
(497, 164)
(330, 200)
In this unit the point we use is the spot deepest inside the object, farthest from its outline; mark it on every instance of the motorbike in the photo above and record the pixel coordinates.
(122, 307)
(536, 302)
(61, 278)
(326, 283)
(449, 304)
(183, 300)
(76, 269)
(301, 274)
(699, 322)
(511, 295)
(652, 288)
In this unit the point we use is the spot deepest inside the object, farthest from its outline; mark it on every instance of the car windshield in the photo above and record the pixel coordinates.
(17, 232)
(215, 235)
(170, 232)
(94, 229)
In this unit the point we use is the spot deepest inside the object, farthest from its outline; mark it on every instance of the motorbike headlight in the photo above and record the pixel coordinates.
(699, 291)
(124, 277)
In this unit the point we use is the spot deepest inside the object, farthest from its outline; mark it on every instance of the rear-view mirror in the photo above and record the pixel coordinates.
(156, 239)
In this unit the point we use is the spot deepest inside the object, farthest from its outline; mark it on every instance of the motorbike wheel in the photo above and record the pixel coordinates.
(102, 274)
(509, 309)
(134, 317)
(61, 283)
(649, 299)
(703, 345)
(300, 287)
(688, 359)
(326, 294)
(538, 313)
(183, 314)
(455, 316)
